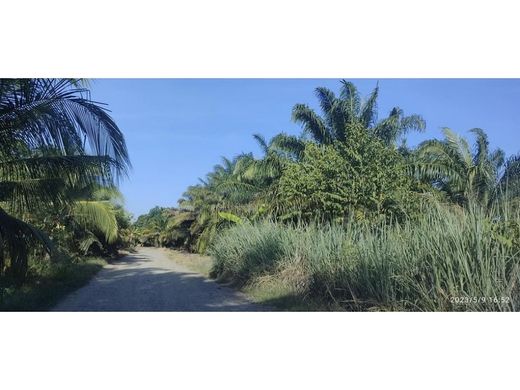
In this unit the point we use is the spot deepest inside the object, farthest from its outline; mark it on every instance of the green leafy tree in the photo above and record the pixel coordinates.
(357, 179)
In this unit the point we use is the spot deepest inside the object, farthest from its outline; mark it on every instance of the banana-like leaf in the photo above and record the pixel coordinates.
(230, 217)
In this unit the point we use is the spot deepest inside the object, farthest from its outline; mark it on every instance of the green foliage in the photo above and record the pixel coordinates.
(54, 142)
(92, 221)
(344, 180)
(150, 227)
(349, 215)
(230, 217)
(98, 215)
(344, 163)
(46, 283)
(236, 189)
(99, 218)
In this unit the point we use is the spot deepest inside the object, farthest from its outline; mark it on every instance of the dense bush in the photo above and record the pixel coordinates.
(336, 181)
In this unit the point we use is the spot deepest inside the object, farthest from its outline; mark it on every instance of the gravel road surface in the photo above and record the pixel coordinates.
(150, 281)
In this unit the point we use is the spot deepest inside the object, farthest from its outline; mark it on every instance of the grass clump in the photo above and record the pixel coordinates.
(246, 251)
(447, 260)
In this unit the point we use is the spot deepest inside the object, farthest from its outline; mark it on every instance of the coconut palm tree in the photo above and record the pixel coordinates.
(53, 138)
(94, 212)
(464, 173)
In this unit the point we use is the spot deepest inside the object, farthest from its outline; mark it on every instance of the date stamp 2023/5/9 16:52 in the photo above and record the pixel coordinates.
(473, 300)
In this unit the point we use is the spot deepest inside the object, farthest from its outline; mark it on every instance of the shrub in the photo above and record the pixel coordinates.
(355, 178)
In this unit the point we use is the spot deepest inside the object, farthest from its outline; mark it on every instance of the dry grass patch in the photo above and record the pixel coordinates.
(194, 262)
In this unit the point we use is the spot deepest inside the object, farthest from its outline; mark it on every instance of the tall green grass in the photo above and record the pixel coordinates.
(447, 260)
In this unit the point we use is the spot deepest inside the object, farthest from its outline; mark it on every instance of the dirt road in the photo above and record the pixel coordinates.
(150, 281)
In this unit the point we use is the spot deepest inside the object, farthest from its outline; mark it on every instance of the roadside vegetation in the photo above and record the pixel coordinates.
(346, 216)
(46, 283)
(61, 155)
(195, 262)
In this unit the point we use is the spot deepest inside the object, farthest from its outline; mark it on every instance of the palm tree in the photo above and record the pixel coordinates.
(215, 201)
(509, 183)
(94, 211)
(53, 137)
(349, 108)
(178, 230)
(200, 204)
(467, 174)
(268, 168)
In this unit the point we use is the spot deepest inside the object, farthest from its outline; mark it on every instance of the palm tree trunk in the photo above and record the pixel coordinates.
(2, 257)
(11, 238)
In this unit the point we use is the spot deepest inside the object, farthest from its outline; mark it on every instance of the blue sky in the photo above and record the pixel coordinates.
(177, 129)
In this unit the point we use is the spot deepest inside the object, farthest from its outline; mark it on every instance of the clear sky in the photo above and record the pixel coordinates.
(177, 129)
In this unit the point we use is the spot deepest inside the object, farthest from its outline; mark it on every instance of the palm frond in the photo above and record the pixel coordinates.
(98, 215)
(369, 109)
(33, 194)
(481, 146)
(262, 143)
(73, 170)
(289, 145)
(326, 98)
(180, 218)
(458, 148)
(350, 96)
(412, 123)
(312, 123)
(437, 162)
(397, 125)
(57, 113)
(87, 241)
(340, 116)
